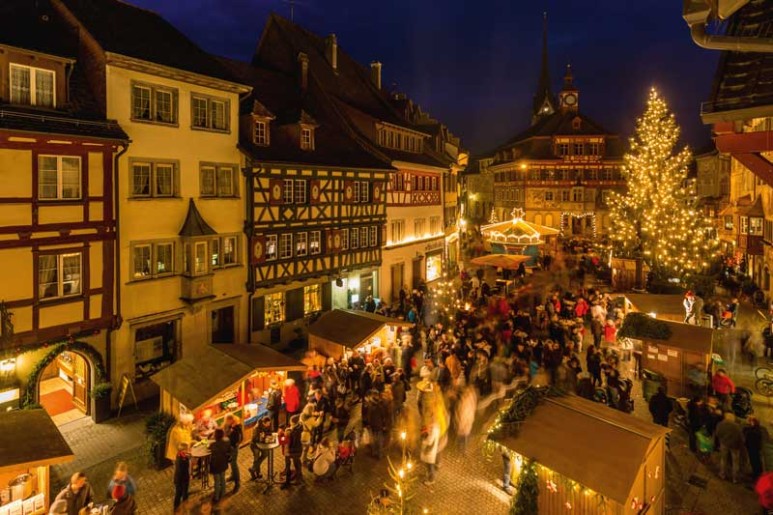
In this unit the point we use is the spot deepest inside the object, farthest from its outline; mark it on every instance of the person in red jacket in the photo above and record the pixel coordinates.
(292, 398)
(723, 386)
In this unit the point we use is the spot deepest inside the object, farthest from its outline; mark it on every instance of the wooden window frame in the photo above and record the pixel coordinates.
(59, 180)
(315, 237)
(285, 243)
(153, 246)
(301, 238)
(307, 144)
(209, 101)
(59, 255)
(153, 108)
(33, 71)
(272, 238)
(218, 170)
(153, 179)
(265, 140)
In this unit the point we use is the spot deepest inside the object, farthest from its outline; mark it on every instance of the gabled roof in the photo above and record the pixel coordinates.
(349, 327)
(279, 94)
(131, 31)
(30, 438)
(587, 442)
(194, 224)
(745, 79)
(33, 25)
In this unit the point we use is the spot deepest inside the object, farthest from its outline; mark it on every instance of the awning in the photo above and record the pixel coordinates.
(29, 438)
(203, 375)
(350, 328)
(598, 447)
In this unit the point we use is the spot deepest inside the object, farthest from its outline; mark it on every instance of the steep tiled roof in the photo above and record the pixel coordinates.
(194, 224)
(128, 30)
(745, 79)
(33, 25)
(536, 141)
(280, 94)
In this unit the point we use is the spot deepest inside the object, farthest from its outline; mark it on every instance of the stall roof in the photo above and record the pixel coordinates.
(29, 438)
(657, 303)
(599, 447)
(350, 327)
(200, 377)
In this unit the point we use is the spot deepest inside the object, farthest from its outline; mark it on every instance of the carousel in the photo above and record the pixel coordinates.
(519, 237)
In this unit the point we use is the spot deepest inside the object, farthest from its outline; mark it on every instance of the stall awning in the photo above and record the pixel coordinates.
(29, 438)
(203, 375)
(350, 328)
(661, 304)
(598, 447)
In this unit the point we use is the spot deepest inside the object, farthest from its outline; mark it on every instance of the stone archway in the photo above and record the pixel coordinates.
(96, 370)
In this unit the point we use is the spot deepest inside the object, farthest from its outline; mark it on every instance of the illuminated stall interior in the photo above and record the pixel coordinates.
(224, 379)
(30, 444)
(340, 331)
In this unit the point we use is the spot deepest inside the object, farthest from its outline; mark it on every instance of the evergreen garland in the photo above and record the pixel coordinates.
(30, 399)
(642, 326)
(524, 502)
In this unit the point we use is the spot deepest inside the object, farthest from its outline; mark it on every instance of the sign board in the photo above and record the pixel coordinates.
(126, 384)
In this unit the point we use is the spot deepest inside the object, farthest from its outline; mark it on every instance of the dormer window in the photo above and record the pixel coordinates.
(307, 138)
(32, 86)
(260, 133)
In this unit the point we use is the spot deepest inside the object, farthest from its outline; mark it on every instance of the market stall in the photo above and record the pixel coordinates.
(587, 458)
(222, 380)
(680, 353)
(342, 330)
(517, 236)
(29, 444)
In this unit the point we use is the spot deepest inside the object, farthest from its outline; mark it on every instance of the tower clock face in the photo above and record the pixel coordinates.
(570, 99)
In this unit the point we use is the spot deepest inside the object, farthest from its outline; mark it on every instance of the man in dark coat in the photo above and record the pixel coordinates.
(182, 475)
(376, 421)
(219, 461)
(660, 407)
(76, 495)
(274, 404)
(294, 451)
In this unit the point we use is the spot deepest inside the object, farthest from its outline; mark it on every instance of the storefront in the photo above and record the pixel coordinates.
(340, 331)
(353, 288)
(222, 380)
(30, 444)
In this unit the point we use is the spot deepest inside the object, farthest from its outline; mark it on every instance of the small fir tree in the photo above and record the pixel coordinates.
(656, 219)
(527, 491)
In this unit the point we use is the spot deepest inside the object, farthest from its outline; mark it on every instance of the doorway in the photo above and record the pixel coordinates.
(398, 276)
(223, 325)
(64, 388)
(418, 276)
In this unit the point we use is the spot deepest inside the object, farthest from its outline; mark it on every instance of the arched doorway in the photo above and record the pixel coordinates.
(64, 385)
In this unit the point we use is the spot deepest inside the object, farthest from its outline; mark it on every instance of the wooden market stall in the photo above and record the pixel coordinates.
(344, 329)
(225, 379)
(681, 353)
(29, 444)
(591, 459)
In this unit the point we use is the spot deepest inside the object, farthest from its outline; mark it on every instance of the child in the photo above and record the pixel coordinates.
(182, 474)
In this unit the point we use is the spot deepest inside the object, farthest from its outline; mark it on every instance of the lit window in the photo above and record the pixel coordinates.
(300, 191)
(275, 308)
(285, 246)
(312, 299)
(59, 177)
(152, 260)
(223, 251)
(301, 241)
(419, 227)
(354, 238)
(32, 86)
(315, 242)
(59, 275)
(374, 236)
(398, 231)
(434, 224)
(218, 181)
(271, 247)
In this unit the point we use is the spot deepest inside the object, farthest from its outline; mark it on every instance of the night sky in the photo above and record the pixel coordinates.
(474, 65)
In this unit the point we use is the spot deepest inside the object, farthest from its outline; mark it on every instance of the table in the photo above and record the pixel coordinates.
(270, 446)
(202, 455)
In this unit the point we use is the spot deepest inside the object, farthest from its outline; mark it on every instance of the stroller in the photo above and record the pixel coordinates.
(345, 454)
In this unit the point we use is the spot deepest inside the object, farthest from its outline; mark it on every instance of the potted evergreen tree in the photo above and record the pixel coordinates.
(101, 394)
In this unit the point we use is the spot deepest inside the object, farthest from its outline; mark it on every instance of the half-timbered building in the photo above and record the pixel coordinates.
(316, 203)
(182, 251)
(57, 217)
(414, 241)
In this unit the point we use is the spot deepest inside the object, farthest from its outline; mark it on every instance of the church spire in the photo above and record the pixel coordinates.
(544, 103)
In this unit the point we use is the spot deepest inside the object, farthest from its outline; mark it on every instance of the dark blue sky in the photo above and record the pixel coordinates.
(474, 64)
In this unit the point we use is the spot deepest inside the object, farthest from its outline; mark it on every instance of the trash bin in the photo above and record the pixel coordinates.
(651, 381)
(707, 321)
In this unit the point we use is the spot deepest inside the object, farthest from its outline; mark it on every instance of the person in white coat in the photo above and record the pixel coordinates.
(465, 415)
(430, 438)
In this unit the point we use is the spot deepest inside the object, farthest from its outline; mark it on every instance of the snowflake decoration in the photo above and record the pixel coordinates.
(552, 487)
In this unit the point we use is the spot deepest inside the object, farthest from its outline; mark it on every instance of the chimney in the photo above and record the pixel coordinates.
(375, 73)
(303, 62)
(331, 50)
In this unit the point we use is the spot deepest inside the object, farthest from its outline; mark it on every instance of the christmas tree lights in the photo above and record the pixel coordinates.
(656, 219)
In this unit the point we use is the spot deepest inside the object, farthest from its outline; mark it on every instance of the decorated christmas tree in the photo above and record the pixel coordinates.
(656, 219)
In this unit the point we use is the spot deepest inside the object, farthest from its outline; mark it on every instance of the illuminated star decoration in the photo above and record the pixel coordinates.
(552, 487)
(568, 505)
(518, 213)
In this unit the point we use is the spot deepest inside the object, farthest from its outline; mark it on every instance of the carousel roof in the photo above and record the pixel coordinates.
(517, 231)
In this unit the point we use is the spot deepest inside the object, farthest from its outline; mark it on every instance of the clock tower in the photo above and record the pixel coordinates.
(569, 97)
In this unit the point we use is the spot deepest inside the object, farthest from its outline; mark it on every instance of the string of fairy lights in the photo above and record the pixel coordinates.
(657, 217)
